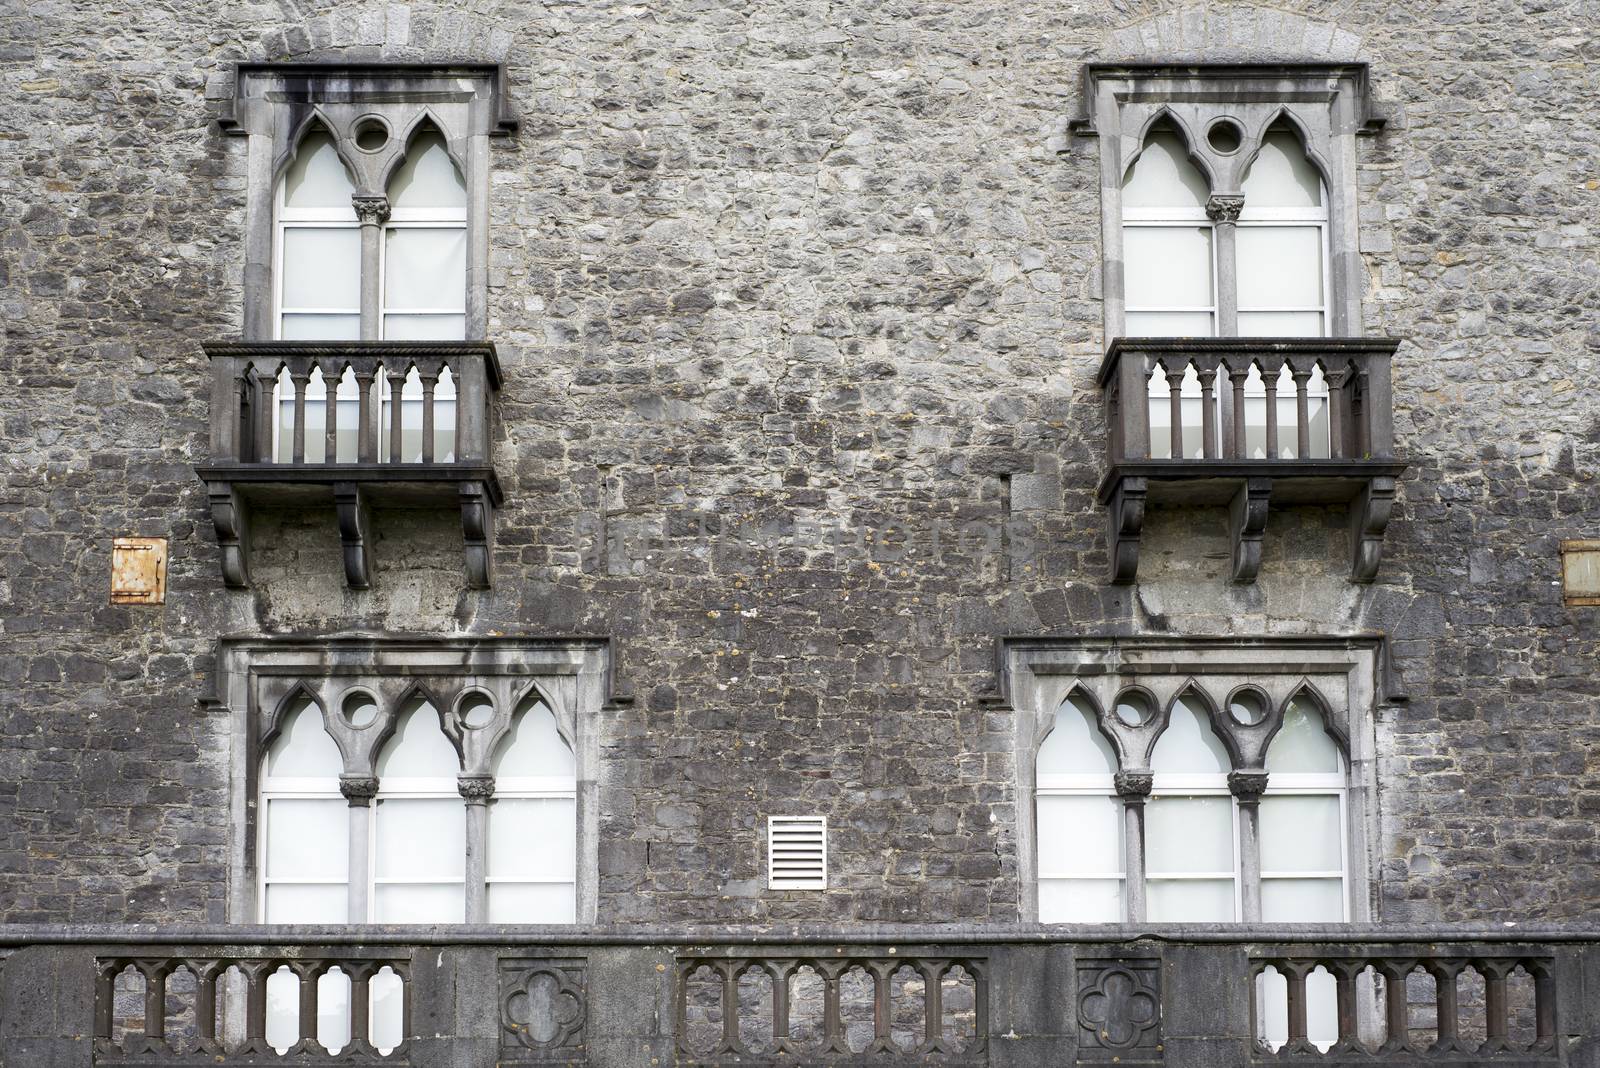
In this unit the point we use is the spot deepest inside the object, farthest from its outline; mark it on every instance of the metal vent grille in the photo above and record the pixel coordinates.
(797, 853)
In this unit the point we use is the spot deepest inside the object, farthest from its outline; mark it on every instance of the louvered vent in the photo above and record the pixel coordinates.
(797, 853)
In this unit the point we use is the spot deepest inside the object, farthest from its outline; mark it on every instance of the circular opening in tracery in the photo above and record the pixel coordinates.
(360, 710)
(477, 711)
(1134, 709)
(371, 135)
(1225, 136)
(1248, 708)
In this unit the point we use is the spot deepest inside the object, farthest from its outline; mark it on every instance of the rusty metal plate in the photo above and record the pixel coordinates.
(1580, 572)
(139, 571)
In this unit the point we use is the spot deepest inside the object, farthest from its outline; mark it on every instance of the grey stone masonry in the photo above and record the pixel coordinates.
(799, 308)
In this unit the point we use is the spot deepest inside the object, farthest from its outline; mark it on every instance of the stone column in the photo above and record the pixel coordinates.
(477, 790)
(1223, 209)
(359, 791)
(373, 212)
(1247, 787)
(1134, 789)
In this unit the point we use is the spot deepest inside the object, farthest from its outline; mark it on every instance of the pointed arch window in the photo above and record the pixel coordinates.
(1191, 826)
(317, 241)
(532, 862)
(304, 823)
(1079, 821)
(419, 825)
(1304, 813)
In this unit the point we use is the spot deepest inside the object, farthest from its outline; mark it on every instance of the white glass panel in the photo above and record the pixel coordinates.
(533, 837)
(1302, 745)
(1080, 901)
(425, 267)
(317, 327)
(1189, 901)
(1075, 745)
(1281, 176)
(428, 178)
(1301, 832)
(1079, 835)
(317, 178)
(1168, 324)
(386, 1009)
(418, 748)
(420, 903)
(303, 748)
(283, 1009)
(333, 1009)
(533, 903)
(322, 268)
(1302, 900)
(534, 747)
(406, 327)
(1188, 745)
(1167, 266)
(322, 903)
(1188, 835)
(1163, 177)
(1279, 266)
(421, 838)
(307, 839)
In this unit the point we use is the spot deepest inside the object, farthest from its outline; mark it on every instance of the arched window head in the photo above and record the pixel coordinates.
(1167, 240)
(1163, 176)
(534, 748)
(1075, 745)
(419, 868)
(1189, 746)
(303, 749)
(428, 178)
(318, 245)
(418, 748)
(533, 825)
(1302, 745)
(1281, 176)
(318, 178)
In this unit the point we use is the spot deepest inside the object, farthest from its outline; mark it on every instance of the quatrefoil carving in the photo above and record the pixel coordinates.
(543, 1004)
(1120, 1009)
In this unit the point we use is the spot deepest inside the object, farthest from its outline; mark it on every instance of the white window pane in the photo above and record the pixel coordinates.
(316, 327)
(1163, 176)
(421, 838)
(386, 1010)
(303, 748)
(450, 327)
(1301, 832)
(1189, 901)
(428, 178)
(420, 903)
(1167, 266)
(533, 903)
(425, 267)
(1279, 266)
(1075, 745)
(307, 839)
(1189, 745)
(1188, 835)
(317, 178)
(333, 1009)
(322, 903)
(1168, 324)
(1281, 176)
(1302, 900)
(533, 837)
(534, 747)
(1281, 324)
(1080, 901)
(322, 268)
(283, 1009)
(1303, 745)
(418, 748)
(1079, 835)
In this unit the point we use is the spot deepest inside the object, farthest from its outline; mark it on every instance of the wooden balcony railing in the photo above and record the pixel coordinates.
(1244, 421)
(404, 424)
(1024, 997)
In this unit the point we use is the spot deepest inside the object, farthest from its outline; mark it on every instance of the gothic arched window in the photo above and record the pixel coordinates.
(419, 825)
(304, 860)
(532, 858)
(1190, 829)
(1078, 820)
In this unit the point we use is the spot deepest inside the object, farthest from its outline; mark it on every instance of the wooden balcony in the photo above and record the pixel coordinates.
(408, 426)
(1245, 422)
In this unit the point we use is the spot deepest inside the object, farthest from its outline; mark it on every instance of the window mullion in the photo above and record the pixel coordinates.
(1224, 229)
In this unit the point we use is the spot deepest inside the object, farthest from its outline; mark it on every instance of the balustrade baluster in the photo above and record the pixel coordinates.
(933, 1004)
(360, 994)
(881, 1008)
(366, 426)
(299, 380)
(1269, 384)
(1237, 377)
(205, 1003)
(105, 999)
(1496, 1014)
(1295, 974)
(308, 975)
(780, 1005)
(1175, 407)
(330, 422)
(1302, 410)
(1341, 441)
(1345, 974)
(1208, 415)
(1395, 1008)
(1446, 1005)
(256, 1004)
(397, 385)
(730, 1006)
(832, 1024)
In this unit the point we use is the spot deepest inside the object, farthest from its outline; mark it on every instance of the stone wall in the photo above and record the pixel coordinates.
(788, 296)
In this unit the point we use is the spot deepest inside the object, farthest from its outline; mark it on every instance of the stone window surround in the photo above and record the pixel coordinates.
(1350, 676)
(1329, 106)
(258, 679)
(275, 103)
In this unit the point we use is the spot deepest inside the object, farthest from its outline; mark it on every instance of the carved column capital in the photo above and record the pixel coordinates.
(1224, 207)
(1134, 785)
(358, 789)
(1247, 786)
(477, 789)
(371, 211)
